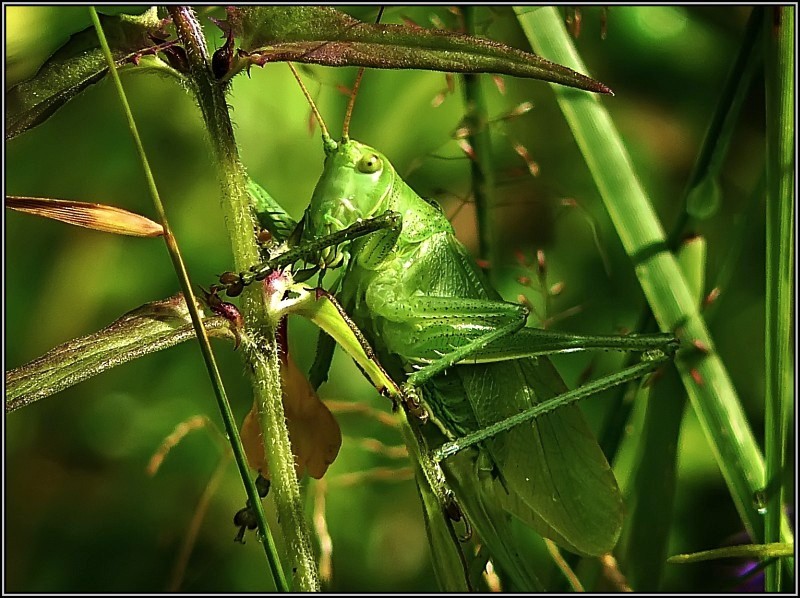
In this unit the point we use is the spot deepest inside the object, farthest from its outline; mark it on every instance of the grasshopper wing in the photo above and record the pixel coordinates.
(551, 473)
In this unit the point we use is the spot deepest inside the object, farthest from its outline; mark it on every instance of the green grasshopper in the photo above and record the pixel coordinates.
(436, 323)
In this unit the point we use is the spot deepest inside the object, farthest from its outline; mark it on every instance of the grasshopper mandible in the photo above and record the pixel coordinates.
(436, 324)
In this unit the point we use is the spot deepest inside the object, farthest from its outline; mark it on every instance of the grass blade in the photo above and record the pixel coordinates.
(753, 551)
(717, 141)
(705, 173)
(714, 400)
(652, 494)
(779, 73)
(481, 142)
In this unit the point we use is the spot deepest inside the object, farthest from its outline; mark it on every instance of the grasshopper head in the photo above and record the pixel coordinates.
(355, 184)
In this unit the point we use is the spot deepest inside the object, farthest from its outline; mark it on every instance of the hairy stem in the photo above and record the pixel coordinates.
(262, 361)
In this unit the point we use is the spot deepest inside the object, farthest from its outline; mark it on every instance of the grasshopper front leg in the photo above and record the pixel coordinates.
(233, 283)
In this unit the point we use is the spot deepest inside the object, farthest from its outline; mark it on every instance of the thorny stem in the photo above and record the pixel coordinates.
(183, 277)
(262, 360)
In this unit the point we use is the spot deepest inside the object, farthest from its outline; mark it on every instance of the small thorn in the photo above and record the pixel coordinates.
(712, 296)
(467, 149)
(556, 289)
(522, 151)
(701, 346)
(697, 377)
(520, 109)
(462, 133)
(541, 262)
(569, 202)
(521, 260)
(500, 84)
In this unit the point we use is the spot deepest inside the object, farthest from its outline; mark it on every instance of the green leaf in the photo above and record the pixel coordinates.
(780, 296)
(324, 35)
(149, 328)
(78, 64)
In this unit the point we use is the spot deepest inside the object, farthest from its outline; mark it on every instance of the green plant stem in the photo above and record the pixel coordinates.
(263, 361)
(654, 478)
(714, 399)
(651, 496)
(481, 163)
(779, 75)
(744, 228)
(747, 551)
(725, 118)
(709, 160)
(205, 346)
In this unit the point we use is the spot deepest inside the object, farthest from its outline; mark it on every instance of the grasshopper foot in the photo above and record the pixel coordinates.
(413, 404)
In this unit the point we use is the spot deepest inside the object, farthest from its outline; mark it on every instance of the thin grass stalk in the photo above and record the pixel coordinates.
(712, 155)
(779, 74)
(744, 228)
(717, 140)
(480, 140)
(205, 345)
(262, 359)
(651, 496)
(714, 399)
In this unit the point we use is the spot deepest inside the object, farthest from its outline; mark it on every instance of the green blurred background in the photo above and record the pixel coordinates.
(81, 512)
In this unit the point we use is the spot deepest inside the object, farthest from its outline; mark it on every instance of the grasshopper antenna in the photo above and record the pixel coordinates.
(350, 104)
(327, 140)
(354, 93)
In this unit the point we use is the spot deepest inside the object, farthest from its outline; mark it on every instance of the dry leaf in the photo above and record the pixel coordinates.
(314, 432)
(89, 215)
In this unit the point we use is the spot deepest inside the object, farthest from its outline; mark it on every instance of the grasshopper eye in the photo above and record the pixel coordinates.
(369, 163)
